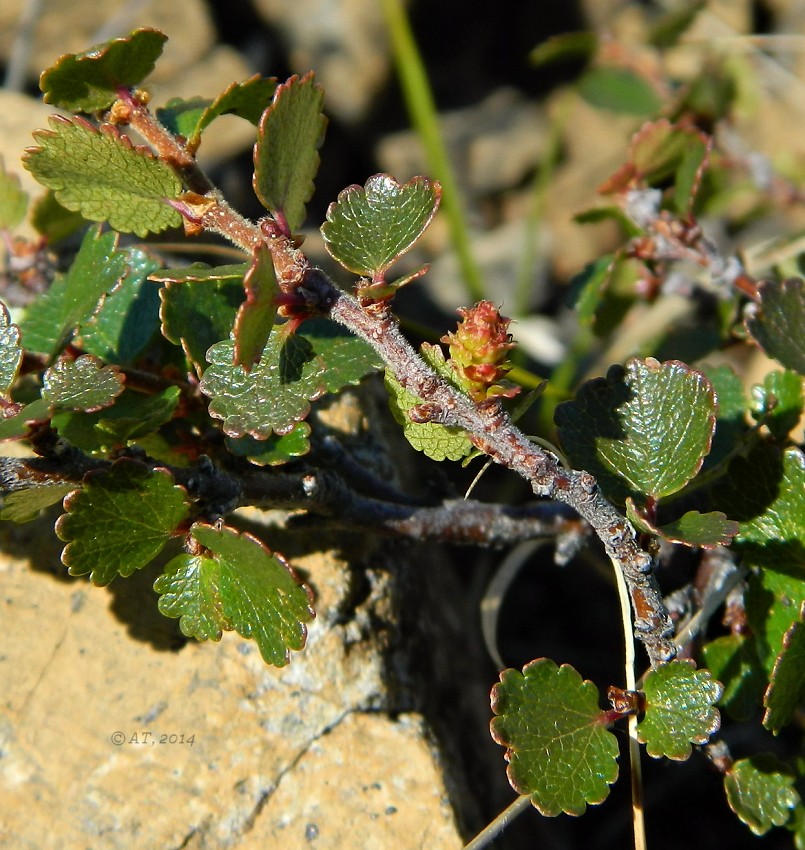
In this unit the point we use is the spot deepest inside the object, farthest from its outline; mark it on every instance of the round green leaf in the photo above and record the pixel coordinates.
(641, 430)
(680, 709)
(760, 791)
(82, 384)
(369, 227)
(258, 594)
(777, 321)
(273, 396)
(100, 174)
(559, 750)
(119, 521)
(88, 82)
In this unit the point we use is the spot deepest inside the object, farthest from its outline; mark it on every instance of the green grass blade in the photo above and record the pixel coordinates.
(422, 111)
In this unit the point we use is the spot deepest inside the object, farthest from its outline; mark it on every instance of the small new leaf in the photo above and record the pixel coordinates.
(371, 226)
(10, 351)
(641, 430)
(239, 584)
(694, 529)
(760, 790)
(189, 118)
(88, 82)
(256, 315)
(680, 709)
(273, 396)
(81, 384)
(559, 750)
(286, 156)
(99, 173)
(776, 322)
(119, 521)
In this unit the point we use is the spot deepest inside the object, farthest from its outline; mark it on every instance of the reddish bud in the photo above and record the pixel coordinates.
(478, 350)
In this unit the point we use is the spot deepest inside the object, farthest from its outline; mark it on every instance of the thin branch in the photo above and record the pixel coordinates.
(322, 493)
(487, 425)
(491, 430)
(490, 832)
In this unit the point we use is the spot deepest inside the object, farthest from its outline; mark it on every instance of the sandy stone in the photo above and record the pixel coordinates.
(344, 42)
(69, 28)
(108, 739)
(20, 115)
(340, 795)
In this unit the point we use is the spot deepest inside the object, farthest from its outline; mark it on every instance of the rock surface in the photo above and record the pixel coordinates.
(116, 740)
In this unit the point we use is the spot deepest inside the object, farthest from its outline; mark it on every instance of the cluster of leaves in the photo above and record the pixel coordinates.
(143, 370)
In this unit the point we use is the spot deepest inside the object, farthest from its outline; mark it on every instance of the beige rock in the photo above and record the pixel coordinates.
(345, 43)
(62, 28)
(335, 796)
(108, 741)
(20, 115)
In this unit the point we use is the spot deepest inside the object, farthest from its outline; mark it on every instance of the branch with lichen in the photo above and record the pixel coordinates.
(475, 408)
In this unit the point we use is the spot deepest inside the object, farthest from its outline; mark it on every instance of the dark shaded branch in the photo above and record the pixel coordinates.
(322, 493)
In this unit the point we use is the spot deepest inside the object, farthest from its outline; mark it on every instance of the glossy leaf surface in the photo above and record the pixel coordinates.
(273, 396)
(760, 791)
(642, 430)
(370, 226)
(680, 709)
(239, 584)
(559, 750)
(81, 384)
